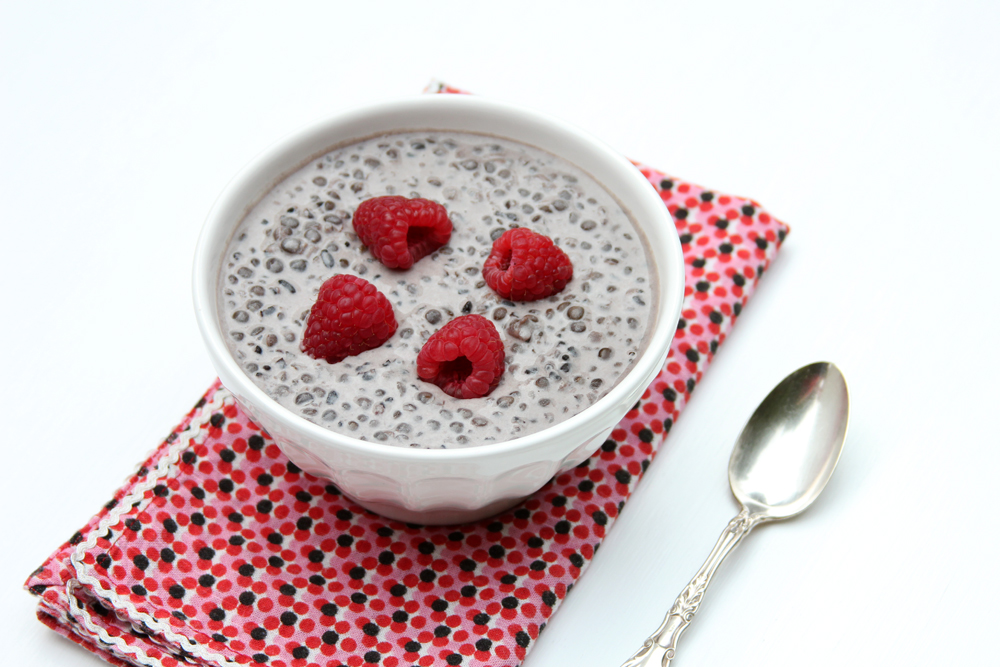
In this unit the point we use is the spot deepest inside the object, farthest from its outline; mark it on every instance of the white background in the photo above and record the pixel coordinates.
(871, 128)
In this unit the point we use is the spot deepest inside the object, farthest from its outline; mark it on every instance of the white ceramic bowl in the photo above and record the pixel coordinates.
(441, 485)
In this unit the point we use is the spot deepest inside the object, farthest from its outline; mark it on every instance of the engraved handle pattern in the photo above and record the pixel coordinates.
(658, 650)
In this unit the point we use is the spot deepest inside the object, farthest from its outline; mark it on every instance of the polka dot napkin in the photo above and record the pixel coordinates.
(219, 551)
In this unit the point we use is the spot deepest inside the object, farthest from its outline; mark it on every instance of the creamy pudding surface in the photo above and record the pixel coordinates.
(563, 353)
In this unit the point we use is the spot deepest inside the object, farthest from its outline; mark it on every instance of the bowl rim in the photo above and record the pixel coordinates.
(205, 280)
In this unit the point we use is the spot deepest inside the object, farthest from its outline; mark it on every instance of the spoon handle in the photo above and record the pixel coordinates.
(658, 650)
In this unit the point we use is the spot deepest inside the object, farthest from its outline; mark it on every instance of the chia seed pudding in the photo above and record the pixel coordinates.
(563, 353)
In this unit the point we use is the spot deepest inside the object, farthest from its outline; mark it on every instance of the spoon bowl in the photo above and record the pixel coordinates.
(791, 444)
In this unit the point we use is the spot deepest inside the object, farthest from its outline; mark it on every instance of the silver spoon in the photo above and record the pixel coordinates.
(780, 464)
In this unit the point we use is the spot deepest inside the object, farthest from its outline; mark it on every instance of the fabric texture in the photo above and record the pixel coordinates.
(219, 551)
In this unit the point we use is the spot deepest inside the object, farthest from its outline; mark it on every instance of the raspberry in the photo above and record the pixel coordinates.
(464, 357)
(525, 266)
(349, 317)
(399, 231)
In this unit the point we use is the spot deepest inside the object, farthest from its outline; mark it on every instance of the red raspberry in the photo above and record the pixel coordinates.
(525, 266)
(399, 231)
(349, 317)
(464, 357)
